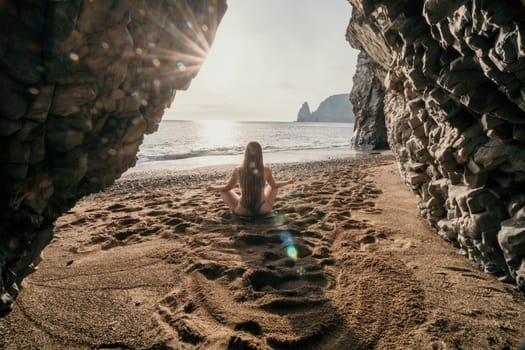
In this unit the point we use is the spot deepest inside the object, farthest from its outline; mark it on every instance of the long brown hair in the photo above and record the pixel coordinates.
(251, 175)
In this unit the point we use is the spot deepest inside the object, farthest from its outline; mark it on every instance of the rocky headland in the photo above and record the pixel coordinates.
(334, 109)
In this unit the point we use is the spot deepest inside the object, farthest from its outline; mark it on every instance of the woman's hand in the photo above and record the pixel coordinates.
(208, 187)
(292, 180)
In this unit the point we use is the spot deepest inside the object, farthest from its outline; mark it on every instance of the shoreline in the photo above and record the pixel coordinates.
(280, 157)
(345, 262)
(141, 178)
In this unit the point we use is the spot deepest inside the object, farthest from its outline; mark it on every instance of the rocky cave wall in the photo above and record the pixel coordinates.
(454, 79)
(367, 98)
(81, 83)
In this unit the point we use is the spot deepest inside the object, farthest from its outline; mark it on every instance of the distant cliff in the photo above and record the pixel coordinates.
(336, 108)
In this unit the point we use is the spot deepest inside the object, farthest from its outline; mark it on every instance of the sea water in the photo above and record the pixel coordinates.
(182, 145)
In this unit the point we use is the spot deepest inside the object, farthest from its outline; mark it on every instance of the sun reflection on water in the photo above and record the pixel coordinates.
(217, 133)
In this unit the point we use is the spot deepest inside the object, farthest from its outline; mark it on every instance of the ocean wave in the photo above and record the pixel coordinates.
(224, 151)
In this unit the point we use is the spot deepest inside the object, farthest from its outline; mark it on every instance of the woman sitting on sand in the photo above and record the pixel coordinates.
(256, 198)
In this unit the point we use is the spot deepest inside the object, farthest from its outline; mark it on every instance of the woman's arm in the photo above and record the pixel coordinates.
(230, 185)
(273, 183)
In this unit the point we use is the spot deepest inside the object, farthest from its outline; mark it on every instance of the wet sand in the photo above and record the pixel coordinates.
(345, 262)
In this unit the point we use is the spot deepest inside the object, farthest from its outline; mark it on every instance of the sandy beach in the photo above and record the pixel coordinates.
(345, 262)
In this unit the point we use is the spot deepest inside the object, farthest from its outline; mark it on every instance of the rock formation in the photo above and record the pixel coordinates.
(81, 83)
(454, 76)
(367, 98)
(335, 108)
(304, 113)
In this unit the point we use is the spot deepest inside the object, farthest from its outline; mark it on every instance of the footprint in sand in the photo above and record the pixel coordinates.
(171, 219)
(115, 208)
(352, 224)
(155, 213)
(259, 275)
(128, 221)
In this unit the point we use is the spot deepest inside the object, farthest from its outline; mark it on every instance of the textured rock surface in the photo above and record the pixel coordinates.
(367, 98)
(454, 77)
(81, 83)
(336, 108)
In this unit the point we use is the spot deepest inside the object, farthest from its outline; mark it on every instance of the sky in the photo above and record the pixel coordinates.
(268, 58)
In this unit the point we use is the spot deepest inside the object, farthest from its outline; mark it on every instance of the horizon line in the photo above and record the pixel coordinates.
(231, 120)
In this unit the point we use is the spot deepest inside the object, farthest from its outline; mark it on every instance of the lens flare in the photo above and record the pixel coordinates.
(74, 57)
(33, 91)
(180, 65)
(279, 220)
(291, 249)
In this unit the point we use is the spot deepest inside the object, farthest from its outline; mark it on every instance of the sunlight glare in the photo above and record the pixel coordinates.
(193, 32)
(217, 133)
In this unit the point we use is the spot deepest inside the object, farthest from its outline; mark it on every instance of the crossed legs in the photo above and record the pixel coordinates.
(233, 201)
(270, 195)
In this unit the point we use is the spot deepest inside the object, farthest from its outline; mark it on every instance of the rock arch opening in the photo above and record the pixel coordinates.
(83, 81)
